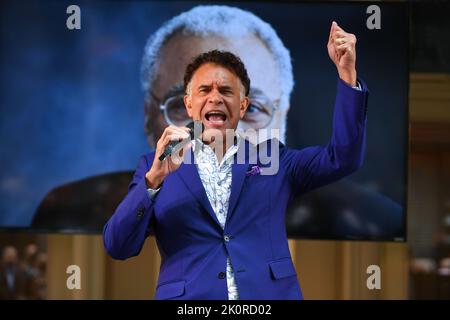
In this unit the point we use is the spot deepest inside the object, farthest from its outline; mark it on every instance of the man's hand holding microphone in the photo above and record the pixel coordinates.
(170, 150)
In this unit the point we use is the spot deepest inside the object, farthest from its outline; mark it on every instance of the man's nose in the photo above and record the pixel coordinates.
(215, 97)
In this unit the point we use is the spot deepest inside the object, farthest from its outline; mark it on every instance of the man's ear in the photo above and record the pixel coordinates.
(188, 104)
(244, 105)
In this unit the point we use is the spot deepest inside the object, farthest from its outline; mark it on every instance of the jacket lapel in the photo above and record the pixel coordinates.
(239, 171)
(189, 175)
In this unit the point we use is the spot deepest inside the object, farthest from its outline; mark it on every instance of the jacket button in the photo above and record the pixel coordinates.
(226, 238)
(140, 213)
(222, 275)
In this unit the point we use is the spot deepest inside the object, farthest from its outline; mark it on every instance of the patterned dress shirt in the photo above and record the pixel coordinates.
(216, 179)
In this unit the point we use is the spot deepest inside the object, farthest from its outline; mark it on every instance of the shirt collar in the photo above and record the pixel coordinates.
(198, 147)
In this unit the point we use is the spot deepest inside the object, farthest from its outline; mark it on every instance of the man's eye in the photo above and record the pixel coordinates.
(253, 108)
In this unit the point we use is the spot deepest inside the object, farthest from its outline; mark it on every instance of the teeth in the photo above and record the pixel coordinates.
(215, 113)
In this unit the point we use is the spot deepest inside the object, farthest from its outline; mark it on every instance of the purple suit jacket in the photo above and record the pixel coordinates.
(194, 247)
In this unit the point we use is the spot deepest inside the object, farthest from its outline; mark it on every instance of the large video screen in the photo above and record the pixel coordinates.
(82, 88)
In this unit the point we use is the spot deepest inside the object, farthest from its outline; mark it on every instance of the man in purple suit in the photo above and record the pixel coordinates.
(219, 222)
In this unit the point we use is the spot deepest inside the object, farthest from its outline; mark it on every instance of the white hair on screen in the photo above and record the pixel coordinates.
(219, 20)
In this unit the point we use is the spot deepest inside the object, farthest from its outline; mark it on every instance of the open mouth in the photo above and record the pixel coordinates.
(216, 117)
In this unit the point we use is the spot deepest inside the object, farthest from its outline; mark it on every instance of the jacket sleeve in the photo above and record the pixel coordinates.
(312, 167)
(125, 232)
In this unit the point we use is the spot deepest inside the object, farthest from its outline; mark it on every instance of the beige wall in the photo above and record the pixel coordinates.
(429, 98)
(326, 269)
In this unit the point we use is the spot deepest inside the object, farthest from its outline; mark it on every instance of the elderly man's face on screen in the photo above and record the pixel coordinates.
(167, 105)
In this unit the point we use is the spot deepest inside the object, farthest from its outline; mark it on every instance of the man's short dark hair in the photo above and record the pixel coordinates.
(223, 58)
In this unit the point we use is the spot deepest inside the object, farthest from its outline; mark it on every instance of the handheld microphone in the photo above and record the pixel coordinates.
(196, 129)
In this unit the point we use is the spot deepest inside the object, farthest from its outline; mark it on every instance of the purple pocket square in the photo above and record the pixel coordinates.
(255, 170)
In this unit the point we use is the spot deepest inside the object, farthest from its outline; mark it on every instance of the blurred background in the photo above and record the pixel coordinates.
(33, 265)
